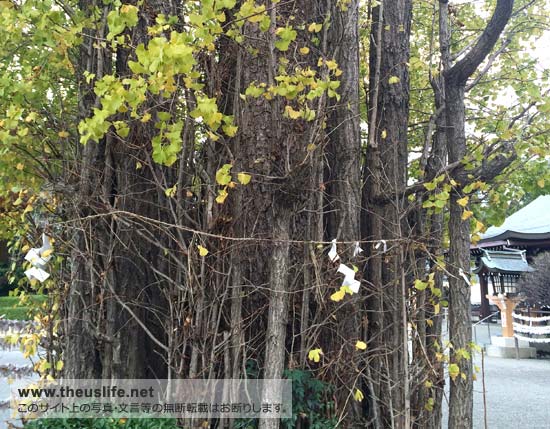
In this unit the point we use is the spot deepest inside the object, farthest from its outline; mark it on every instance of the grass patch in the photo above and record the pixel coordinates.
(9, 305)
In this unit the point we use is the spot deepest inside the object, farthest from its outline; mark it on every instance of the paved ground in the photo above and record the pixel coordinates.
(517, 392)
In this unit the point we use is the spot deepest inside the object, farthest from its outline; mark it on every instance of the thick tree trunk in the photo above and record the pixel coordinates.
(343, 127)
(114, 295)
(343, 176)
(272, 148)
(385, 175)
(455, 77)
(436, 162)
(460, 325)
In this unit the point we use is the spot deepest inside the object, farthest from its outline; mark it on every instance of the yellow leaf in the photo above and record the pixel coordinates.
(384, 134)
(315, 355)
(243, 178)
(347, 290)
(358, 395)
(222, 195)
(314, 28)
(304, 50)
(59, 365)
(540, 182)
(393, 79)
(230, 130)
(338, 295)
(463, 202)
(203, 251)
(171, 192)
(291, 113)
(467, 214)
(361, 345)
(479, 226)
(46, 253)
(63, 134)
(20, 166)
(454, 370)
(213, 136)
(258, 14)
(146, 117)
(332, 65)
(139, 165)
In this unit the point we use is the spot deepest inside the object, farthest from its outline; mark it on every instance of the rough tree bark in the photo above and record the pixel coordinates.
(456, 76)
(273, 149)
(343, 177)
(114, 286)
(385, 175)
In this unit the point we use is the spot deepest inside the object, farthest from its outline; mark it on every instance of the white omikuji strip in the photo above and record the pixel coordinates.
(333, 252)
(532, 340)
(36, 256)
(531, 319)
(537, 330)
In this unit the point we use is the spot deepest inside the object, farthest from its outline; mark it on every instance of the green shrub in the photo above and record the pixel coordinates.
(312, 403)
(102, 424)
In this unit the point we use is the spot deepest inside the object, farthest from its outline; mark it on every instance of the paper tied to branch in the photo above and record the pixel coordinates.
(37, 273)
(464, 276)
(357, 249)
(333, 252)
(382, 243)
(39, 258)
(349, 278)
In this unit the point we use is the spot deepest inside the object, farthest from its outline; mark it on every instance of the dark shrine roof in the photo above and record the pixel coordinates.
(509, 261)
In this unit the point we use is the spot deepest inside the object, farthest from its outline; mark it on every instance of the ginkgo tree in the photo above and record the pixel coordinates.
(196, 162)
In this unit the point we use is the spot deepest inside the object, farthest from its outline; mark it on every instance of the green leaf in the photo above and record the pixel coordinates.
(223, 175)
(420, 285)
(286, 36)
